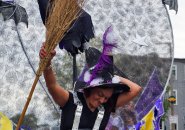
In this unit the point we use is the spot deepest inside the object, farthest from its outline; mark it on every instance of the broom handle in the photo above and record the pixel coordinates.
(27, 102)
(42, 65)
(48, 48)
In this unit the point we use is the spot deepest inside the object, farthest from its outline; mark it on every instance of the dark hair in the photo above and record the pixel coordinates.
(88, 91)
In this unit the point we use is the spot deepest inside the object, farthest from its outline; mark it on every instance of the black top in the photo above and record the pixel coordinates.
(88, 117)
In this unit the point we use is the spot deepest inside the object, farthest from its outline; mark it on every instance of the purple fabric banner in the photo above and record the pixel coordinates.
(158, 113)
(151, 93)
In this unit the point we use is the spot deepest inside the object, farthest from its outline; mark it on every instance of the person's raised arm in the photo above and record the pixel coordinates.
(58, 93)
(126, 97)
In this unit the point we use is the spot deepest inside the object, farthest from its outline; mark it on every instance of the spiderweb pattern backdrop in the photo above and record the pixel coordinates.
(141, 25)
(145, 41)
(17, 75)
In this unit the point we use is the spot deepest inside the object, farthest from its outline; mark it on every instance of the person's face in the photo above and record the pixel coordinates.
(99, 96)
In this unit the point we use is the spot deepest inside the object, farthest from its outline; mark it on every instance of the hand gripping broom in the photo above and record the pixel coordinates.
(61, 16)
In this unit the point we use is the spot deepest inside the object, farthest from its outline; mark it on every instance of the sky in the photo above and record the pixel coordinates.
(178, 25)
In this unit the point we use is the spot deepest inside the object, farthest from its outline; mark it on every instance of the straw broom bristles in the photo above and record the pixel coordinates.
(61, 16)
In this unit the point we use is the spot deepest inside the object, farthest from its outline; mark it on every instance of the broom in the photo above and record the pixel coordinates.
(61, 16)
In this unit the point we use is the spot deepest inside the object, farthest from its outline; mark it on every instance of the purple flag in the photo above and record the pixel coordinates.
(151, 93)
(138, 125)
(158, 113)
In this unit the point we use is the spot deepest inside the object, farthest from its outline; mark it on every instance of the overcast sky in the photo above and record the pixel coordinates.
(178, 24)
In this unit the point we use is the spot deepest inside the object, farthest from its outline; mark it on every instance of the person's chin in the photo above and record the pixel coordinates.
(98, 104)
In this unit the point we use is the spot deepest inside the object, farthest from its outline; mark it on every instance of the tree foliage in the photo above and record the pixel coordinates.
(139, 68)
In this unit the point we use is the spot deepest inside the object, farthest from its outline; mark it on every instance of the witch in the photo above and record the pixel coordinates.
(97, 92)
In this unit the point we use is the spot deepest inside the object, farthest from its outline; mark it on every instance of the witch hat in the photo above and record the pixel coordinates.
(100, 70)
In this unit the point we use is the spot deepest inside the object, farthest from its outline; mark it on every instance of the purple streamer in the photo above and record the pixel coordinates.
(149, 96)
(158, 113)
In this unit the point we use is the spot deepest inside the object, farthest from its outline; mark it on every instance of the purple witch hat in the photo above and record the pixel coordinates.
(99, 70)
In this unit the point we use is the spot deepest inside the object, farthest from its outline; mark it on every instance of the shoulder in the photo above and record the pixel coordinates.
(70, 100)
(74, 98)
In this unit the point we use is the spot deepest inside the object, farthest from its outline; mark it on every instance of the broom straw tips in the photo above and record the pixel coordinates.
(61, 16)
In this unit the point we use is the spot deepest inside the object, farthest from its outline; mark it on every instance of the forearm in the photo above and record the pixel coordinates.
(124, 98)
(134, 88)
(50, 78)
(59, 94)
